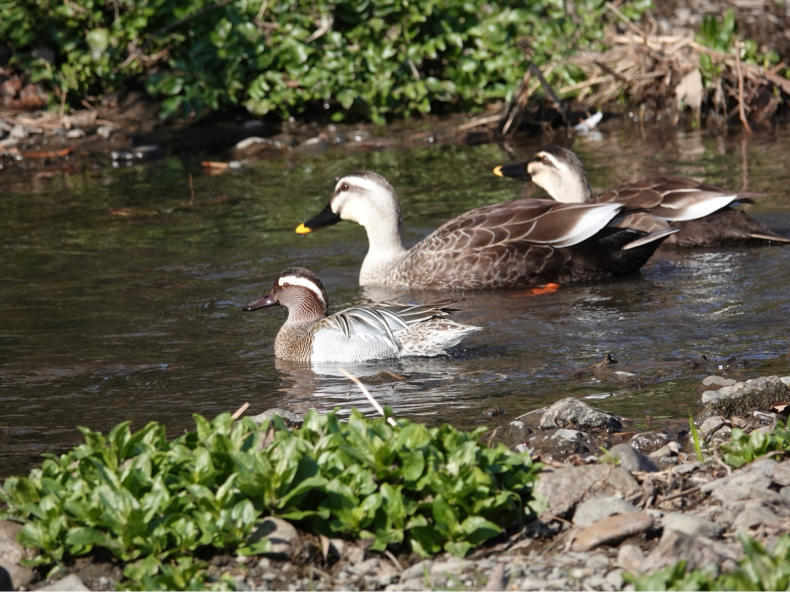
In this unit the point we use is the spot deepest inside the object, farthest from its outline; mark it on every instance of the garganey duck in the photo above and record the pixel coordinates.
(356, 334)
(703, 212)
(521, 243)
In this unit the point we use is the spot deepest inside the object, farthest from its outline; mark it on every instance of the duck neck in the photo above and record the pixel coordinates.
(385, 250)
(571, 189)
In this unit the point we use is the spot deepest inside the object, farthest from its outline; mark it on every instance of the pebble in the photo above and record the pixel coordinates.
(75, 133)
(611, 530)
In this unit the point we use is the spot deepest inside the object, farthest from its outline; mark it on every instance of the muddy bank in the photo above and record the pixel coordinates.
(648, 502)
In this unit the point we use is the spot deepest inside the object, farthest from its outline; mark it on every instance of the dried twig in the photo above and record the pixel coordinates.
(365, 392)
(739, 73)
(240, 411)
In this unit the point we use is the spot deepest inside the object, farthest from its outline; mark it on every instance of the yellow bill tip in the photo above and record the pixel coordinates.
(498, 171)
(302, 229)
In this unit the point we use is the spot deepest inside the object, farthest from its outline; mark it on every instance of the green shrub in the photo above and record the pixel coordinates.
(373, 59)
(155, 504)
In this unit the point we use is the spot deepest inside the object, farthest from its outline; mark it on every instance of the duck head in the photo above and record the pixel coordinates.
(555, 169)
(363, 197)
(299, 291)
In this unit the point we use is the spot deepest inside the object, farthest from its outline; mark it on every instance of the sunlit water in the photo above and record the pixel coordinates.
(120, 299)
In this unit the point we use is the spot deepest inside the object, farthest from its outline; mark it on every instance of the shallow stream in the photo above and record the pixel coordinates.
(120, 298)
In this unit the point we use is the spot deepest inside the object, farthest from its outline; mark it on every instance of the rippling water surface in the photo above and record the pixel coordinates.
(120, 299)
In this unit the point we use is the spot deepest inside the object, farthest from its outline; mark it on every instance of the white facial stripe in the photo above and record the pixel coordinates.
(303, 282)
(364, 183)
(553, 159)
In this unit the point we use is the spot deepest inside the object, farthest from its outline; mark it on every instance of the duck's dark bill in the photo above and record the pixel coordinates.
(260, 303)
(325, 218)
(517, 170)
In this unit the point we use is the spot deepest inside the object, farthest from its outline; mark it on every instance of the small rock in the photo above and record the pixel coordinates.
(666, 455)
(611, 530)
(282, 535)
(104, 131)
(11, 555)
(599, 507)
(75, 133)
(564, 487)
(713, 382)
(572, 413)
(747, 483)
(697, 551)
(567, 436)
(416, 571)
(781, 473)
(291, 419)
(647, 442)
(761, 514)
(70, 582)
(632, 460)
(630, 558)
(691, 525)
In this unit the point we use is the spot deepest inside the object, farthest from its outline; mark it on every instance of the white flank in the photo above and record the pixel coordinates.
(303, 282)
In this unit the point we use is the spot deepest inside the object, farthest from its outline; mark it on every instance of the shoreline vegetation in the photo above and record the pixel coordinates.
(78, 71)
(279, 501)
(380, 506)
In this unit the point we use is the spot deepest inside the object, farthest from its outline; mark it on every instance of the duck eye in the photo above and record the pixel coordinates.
(344, 187)
(285, 285)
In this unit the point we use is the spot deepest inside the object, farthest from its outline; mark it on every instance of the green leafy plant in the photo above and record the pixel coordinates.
(695, 439)
(744, 448)
(157, 504)
(721, 35)
(371, 60)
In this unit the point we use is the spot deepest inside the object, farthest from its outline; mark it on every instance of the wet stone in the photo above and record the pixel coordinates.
(572, 413)
(290, 418)
(611, 530)
(647, 442)
(743, 397)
